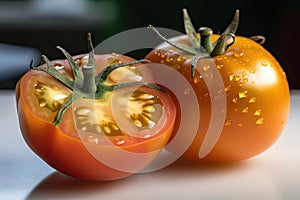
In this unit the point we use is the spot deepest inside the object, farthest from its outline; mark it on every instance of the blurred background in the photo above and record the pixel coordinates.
(30, 28)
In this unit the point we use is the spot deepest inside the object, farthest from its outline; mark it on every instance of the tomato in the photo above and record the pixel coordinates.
(73, 128)
(255, 88)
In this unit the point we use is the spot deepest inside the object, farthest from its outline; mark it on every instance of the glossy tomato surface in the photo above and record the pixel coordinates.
(257, 97)
(89, 137)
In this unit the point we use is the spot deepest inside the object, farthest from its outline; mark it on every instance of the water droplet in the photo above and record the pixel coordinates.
(245, 110)
(220, 66)
(117, 55)
(238, 54)
(252, 100)
(253, 82)
(169, 59)
(237, 78)
(243, 94)
(206, 67)
(228, 122)
(257, 112)
(171, 50)
(264, 63)
(187, 91)
(234, 100)
(282, 122)
(180, 59)
(240, 124)
(227, 88)
(196, 80)
(244, 74)
(231, 76)
(252, 71)
(162, 55)
(236, 109)
(245, 80)
(241, 84)
(219, 58)
(259, 121)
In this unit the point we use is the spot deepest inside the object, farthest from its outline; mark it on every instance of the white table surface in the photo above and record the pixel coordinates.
(273, 175)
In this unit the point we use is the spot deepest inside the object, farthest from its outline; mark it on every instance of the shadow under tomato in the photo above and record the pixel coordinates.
(60, 186)
(184, 167)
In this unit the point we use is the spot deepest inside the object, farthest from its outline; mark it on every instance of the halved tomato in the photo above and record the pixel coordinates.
(107, 133)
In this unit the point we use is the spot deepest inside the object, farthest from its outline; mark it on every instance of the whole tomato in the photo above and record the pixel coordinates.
(67, 110)
(253, 86)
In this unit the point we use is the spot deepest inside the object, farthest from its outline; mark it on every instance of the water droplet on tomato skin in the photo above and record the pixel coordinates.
(252, 100)
(252, 71)
(196, 80)
(187, 91)
(206, 67)
(264, 63)
(169, 59)
(237, 79)
(227, 89)
(231, 76)
(243, 94)
(220, 66)
(234, 100)
(245, 110)
(228, 122)
(257, 112)
(238, 54)
(259, 121)
(240, 124)
(115, 54)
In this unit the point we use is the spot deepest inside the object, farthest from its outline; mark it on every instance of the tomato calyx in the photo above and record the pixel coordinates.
(86, 83)
(201, 45)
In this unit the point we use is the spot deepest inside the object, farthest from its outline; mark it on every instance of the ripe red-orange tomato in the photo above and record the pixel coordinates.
(257, 96)
(88, 126)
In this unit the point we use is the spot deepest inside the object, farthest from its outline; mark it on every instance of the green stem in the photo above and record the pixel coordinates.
(205, 36)
(89, 86)
(232, 28)
(54, 73)
(88, 70)
(73, 64)
(223, 42)
(62, 110)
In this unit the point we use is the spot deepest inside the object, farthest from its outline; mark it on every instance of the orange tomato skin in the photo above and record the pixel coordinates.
(257, 96)
(65, 152)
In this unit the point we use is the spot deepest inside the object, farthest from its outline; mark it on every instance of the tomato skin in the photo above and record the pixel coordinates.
(257, 94)
(63, 150)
